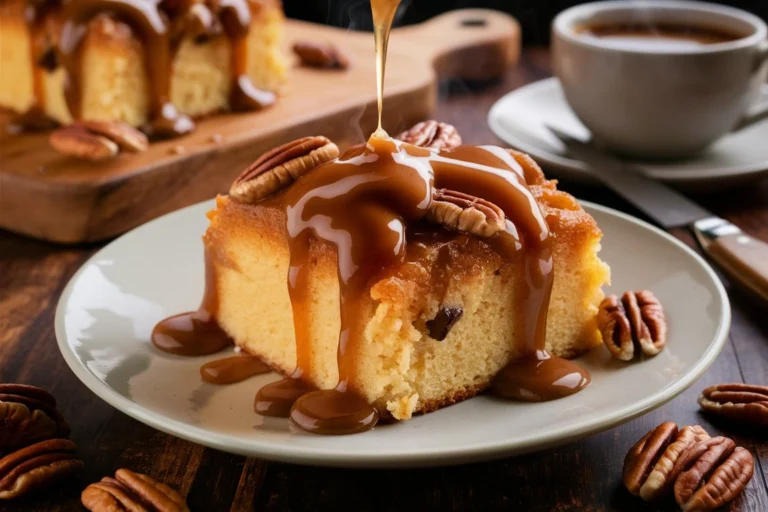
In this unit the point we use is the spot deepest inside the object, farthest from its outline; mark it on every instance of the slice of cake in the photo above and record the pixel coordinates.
(437, 324)
(119, 60)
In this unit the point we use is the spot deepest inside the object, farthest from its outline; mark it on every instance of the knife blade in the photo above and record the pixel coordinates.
(662, 203)
(741, 256)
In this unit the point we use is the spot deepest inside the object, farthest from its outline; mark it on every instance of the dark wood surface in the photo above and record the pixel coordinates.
(581, 476)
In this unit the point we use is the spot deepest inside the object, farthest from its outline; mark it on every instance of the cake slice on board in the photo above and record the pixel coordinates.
(114, 61)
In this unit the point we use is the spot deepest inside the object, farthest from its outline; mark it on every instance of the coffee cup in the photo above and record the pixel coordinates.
(660, 79)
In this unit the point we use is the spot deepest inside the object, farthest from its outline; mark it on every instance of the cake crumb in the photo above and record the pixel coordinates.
(403, 407)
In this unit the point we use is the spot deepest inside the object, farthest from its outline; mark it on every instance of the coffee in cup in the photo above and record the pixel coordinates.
(659, 79)
(657, 37)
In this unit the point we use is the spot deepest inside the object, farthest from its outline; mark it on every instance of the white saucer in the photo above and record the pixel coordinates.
(519, 119)
(107, 311)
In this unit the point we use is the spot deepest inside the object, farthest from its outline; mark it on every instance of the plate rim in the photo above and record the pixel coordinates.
(580, 171)
(432, 457)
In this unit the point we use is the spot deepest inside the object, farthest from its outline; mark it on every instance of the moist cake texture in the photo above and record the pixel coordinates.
(412, 360)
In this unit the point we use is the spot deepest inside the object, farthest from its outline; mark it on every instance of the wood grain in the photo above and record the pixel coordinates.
(47, 195)
(581, 476)
(744, 257)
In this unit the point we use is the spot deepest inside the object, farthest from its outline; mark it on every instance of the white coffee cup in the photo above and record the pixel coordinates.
(660, 103)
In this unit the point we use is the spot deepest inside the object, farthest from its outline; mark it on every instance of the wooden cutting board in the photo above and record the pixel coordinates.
(46, 195)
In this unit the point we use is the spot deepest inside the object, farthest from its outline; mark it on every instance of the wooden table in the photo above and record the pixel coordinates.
(582, 476)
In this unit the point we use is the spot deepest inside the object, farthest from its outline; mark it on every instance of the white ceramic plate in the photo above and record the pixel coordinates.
(519, 119)
(107, 311)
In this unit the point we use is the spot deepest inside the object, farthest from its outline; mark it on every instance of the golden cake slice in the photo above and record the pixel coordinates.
(130, 63)
(438, 325)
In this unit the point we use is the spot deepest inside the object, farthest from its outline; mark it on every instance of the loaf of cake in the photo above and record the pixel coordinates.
(437, 325)
(144, 63)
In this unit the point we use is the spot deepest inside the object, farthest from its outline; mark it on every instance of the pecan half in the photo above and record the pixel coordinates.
(644, 454)
(28, 414)
(711, 474)
(37, 466)
(97, 140)
(75, 140)
(131, 491)
(278, 168)
(124, 135)
(744, 403)
(431, 134)
(648, 465)
(633, 324)
(316, 55)
(465, 213)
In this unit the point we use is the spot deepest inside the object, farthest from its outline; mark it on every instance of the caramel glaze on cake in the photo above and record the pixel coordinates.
(59, 29)
(396, 257)
(364, 204)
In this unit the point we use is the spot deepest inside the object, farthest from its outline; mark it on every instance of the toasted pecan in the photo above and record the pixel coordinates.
(278, 168)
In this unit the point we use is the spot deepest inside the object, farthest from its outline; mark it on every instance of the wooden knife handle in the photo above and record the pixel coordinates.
(744, 258)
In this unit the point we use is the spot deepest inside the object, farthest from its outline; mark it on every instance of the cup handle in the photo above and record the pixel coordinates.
(759, 111)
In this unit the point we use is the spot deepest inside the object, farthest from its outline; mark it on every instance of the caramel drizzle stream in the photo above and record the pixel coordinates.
(383, 15)
(35, 15)
(195, 333)
(37, 45)
(236, 18)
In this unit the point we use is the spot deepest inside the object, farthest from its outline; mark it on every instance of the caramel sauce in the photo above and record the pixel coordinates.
(38, 48)
(366, 204)
(277, 398)
(36, 14)
(539, 377)
(232, 369)
(383, 14)
(333, 412)
(149, 21)
(196, 333)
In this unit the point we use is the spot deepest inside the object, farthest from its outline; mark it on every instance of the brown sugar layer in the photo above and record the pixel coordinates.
(136, 65)
(438, 324)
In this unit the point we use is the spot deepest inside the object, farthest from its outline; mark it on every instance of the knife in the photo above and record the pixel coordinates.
(742, 257)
